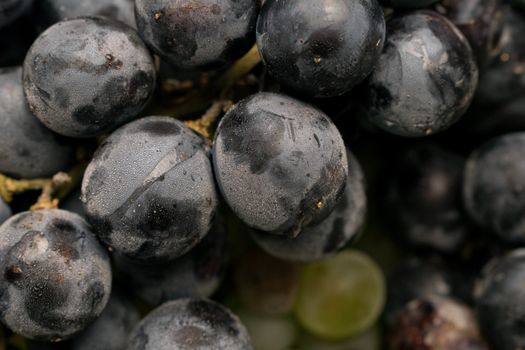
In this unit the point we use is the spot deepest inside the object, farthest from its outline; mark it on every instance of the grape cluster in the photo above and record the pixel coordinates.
(262, 174)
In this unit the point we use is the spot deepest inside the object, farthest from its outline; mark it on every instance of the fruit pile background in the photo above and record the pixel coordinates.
(267, 175)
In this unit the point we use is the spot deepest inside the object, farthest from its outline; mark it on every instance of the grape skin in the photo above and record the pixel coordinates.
(5, 211)
(281, 164)
(168, 200)
(494, 186)
(197, 34)
(330, 235)
(196, 324)
(86, 76)
(425, 79)
(27, 148)
(330, 45)
(56, 277)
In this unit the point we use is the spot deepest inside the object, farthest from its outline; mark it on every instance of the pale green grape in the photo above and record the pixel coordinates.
(341, 296)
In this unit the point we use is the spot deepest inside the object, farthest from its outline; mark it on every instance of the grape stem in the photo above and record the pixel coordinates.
(196, 100)
(52, 190)
(204, 124)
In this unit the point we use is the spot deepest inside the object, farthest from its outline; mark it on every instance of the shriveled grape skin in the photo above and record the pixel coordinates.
(190, 324)
(27, 148)
(56, 277)
(5, 211)
(494, 187)
(281, 164)
(321, 48)
(196, 274)
(149, 190)
(53, 11)
(425, 78)
(86, 76)
(330, 235)
(111, 330)
(197, 34)
(500, 301)
(11, 10)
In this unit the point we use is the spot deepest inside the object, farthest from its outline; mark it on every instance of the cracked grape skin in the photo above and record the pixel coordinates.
(53, 11)
(149, 190)
(500, 301)
(5, 211)
(27, 148)
(56, 277)
(10, 10)
(425, 79)
(86, 76)
(198, 273)
(330, 235)
(321, 48)
(190, 324)
(281, 164)
(197, 34)
(494, 187)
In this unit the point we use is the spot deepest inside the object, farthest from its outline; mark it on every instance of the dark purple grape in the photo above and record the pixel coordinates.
(281, 164)
(500, 301)
(196, 274)
(494, 187)
(424, 198)
(49, 12)
(56, 277)
(27, 148)
(195, 324)
(330, 235)
(86, 76)
(321, 48)
(149, 190)
(197, 34)
(425, 78)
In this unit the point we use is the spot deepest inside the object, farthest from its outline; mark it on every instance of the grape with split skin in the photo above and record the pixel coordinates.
(149, 190)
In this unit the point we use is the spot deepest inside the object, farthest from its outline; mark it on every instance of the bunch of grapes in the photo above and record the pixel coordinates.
(262, 175)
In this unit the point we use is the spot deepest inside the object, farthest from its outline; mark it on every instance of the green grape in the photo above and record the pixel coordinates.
(269, 332)
(341, 296)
